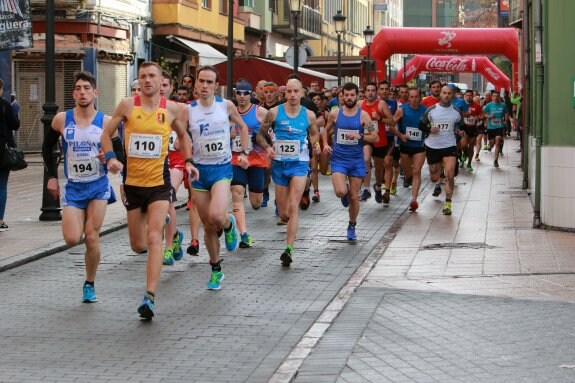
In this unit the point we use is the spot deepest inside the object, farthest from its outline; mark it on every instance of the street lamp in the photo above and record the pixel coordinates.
(50, 205)
(339, 21)
(295, 7)
(368, 36)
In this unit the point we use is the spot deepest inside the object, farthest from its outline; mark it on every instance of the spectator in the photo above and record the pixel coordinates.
(135, 88)
(15, 105)
(8, 123)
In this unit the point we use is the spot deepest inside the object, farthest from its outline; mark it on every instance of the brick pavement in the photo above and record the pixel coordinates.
(476, 297)
(238, 334)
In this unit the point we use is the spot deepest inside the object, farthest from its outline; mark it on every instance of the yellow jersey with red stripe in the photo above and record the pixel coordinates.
(146, 142)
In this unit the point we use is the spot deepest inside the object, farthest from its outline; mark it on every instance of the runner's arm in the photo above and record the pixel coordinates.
(367, 135)
(313, 130)
(111, 130)
(263, 138)
(50, 141)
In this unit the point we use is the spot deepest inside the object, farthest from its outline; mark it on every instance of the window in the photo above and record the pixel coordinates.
(224, 7)
(273, 6)
(207, 3)
(248, 3)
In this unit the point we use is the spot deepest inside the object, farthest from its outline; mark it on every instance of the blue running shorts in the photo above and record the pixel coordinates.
(283, 171)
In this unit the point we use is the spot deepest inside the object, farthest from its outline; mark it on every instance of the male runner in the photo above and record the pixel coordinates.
(149, 120)
(291, 123)
(347, 160)
(467, 142)
(379, 112)
(253, 116)
(390, 163)
(87, 191)
(497, 115)
(209, 127)
(441, 122)
(412, 144)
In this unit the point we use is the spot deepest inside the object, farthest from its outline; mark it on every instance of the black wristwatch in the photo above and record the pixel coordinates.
(190, 160)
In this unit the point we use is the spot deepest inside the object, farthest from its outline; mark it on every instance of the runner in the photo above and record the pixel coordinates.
(253, 116)
(209, 127)
(440, 122)
(149, 119)
(481, 130)
(379, 112)
(467, 142)
(412, 144)
(497, 115)
(391, 164)
(291, 123)
(347, 155)
(87, 191)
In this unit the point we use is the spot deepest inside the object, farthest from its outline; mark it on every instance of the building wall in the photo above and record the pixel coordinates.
(558, 151)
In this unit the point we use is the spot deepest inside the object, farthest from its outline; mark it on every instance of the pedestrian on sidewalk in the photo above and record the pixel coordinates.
(8, 123)
(87, 191)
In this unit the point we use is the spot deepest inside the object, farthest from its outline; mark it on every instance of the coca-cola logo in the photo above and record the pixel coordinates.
(410, 70)
(493, 75)
(448, 65)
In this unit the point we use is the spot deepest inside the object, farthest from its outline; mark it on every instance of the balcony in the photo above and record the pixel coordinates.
(309, 25)
(516, 13)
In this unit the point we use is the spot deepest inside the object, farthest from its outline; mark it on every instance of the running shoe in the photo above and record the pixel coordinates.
(188, 204)
(304, 202)
(146, 309)
(469, 168)
(286, 257)
(495, 164)
(4, 227)
(345, 200)
(265, 200)
(194, 248)
(168, 257)
(477, 157)
(177, 245)
(413, 205)
(282, 221)
(232, 236)
(405, 182)
(461, 163)
(486, 147)
(436, 190)
(246, 241)
(393, 189)
(385, 197)
(378, 195)
(215, 280)
(447, 208)
(89, 294)
(315, 197)
(351, 233)
(365, 195)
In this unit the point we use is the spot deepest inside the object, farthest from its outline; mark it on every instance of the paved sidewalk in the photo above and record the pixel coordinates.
(479, 296)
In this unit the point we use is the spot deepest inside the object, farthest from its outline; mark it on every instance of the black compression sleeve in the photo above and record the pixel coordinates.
(50, 141)
(118, 147)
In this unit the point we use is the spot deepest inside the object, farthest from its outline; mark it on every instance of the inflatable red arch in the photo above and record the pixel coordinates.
(444, 41)
(459, 64)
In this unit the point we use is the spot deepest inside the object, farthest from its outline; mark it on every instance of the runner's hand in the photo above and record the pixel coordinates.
(327, 149)
(101, 156)
(114, 166)
(53, 187)
(271, 152)
(244, 161)
(402, 137)
(193, 172)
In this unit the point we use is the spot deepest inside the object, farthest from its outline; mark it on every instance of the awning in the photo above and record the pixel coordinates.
(206, 54)
(255, 69)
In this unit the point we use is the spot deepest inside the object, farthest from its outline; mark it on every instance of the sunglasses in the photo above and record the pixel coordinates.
(243, 92)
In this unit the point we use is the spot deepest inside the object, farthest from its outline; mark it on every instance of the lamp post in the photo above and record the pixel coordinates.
(295, 8)
(50, 206)
(230, 51)
(339, 21)
(404, 68)
(368, 36)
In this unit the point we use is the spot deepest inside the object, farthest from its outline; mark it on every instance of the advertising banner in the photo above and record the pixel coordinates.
(15, 24)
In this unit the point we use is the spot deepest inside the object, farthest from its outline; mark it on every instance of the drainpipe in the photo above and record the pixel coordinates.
(539, 79)
(527, 99)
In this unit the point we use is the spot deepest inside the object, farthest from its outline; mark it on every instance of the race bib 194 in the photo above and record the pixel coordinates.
(145, 145)
(287, 148)
(343, 137)
(84, 168)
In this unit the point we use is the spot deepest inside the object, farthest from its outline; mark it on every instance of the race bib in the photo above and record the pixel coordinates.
(145, 145)
(470, 121)
(172, 142)
(237, 144)
(443, 126)
(287, 148)
(343, 137)
(212, 147)
(84, 168)
(413, 134)
(496, 122)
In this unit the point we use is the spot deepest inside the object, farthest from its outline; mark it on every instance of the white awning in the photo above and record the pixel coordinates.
(206, 54)
(302, 70)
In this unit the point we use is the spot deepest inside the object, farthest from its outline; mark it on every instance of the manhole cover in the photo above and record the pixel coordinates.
(457, 245)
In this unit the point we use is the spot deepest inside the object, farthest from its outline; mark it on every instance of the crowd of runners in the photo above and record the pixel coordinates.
(226, 151)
